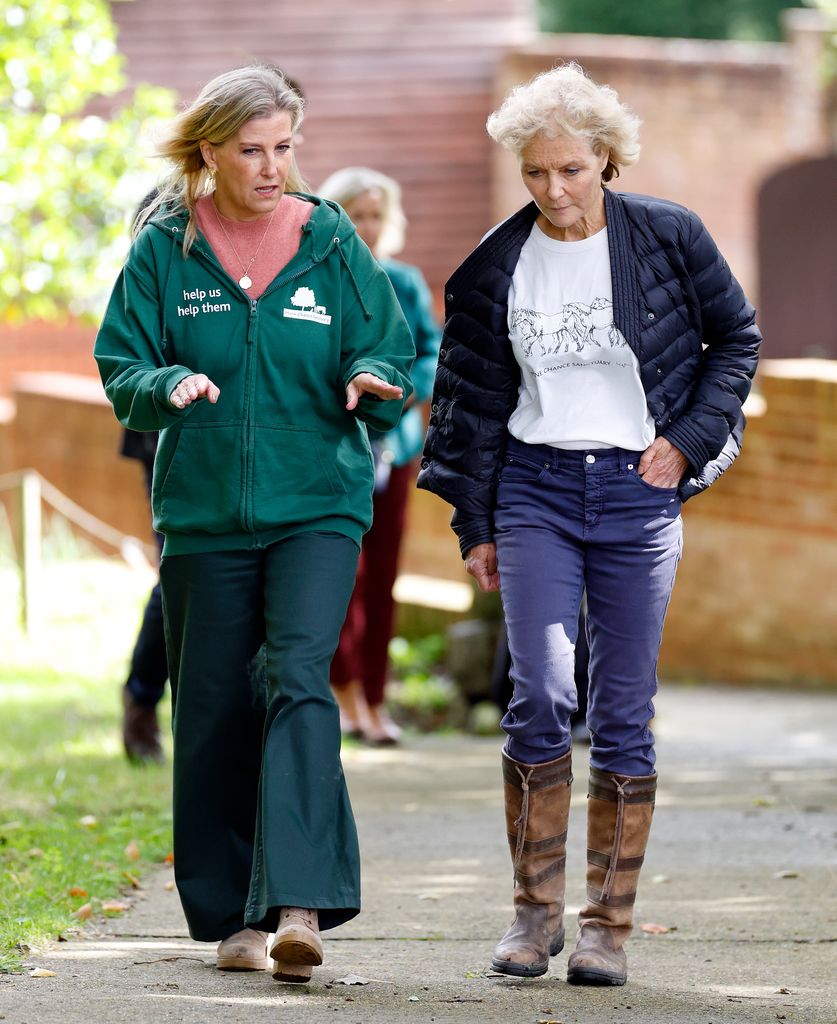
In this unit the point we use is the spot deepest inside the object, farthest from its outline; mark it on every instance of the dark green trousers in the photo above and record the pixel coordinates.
(262, 817)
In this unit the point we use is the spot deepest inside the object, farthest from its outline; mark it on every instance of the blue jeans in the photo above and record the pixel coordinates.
(566, 521)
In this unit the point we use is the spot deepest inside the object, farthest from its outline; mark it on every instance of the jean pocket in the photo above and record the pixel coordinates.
(520, 471)
(634, 475)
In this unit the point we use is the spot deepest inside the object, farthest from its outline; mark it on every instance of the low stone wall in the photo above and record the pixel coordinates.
(755, 600)
(718, 117)
(64, 428)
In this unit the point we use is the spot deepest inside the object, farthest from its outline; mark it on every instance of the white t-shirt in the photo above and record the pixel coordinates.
(580, 385)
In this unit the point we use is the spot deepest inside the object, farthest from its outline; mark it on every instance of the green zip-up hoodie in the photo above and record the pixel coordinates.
(278, 454)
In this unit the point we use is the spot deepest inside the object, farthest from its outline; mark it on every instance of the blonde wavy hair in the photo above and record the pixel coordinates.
(566, 101)
(348, 183)
(224, 105)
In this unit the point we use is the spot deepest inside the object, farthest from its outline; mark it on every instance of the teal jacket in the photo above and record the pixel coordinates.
(404, 442)
(278, 454)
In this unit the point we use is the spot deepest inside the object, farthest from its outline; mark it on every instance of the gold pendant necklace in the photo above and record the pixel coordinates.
(245, 280)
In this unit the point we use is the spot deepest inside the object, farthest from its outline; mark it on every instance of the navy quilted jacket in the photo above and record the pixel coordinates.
(679, 308)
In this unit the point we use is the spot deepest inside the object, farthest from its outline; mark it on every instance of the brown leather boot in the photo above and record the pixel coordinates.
(619, 811)
(298, 937)
(244, 951)
(537, 808)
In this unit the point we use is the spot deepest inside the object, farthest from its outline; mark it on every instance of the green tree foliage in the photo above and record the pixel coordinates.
(698, 19)
(69, 176)
(829, 62)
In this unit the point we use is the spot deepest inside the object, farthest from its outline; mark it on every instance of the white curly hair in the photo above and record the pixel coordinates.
(566, 101)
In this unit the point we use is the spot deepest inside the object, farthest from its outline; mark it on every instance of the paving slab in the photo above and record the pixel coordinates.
(740, 870)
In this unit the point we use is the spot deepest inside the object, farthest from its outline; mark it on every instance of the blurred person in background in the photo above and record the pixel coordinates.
(596, 356)
(359, 670)
(254, 330)
(148, 672)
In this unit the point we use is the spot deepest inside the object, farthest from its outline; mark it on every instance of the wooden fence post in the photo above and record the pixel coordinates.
(29, 551)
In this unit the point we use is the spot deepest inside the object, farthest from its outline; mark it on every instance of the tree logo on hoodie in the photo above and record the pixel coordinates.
(308, 309)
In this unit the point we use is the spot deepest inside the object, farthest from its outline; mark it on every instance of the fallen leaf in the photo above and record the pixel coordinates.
(412, 999)
(170, 886)
(783, 992)
(169, 858)
(660, 879)
(550, 1020)
(115, 906)
(786, 874)
(77, 891)
(132, 850)
(40, 972)
(655, 929)
(351, 979)
(83, 913)
(135, 882)
(88, 821)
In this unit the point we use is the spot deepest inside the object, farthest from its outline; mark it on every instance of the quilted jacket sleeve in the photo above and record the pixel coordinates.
(473, 397)
(731, 339)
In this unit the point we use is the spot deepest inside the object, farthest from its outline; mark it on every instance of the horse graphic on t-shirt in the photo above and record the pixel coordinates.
(574, 327)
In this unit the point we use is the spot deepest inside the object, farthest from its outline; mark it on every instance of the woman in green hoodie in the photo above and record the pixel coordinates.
(260, 337)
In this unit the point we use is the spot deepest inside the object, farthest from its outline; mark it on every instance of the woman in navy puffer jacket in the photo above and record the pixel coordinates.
(596, 356)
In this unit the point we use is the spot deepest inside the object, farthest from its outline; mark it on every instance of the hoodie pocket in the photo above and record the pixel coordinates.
(294, 478)
(201, 488)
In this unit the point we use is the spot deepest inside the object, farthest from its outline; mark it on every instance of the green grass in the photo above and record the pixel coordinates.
(61, 758)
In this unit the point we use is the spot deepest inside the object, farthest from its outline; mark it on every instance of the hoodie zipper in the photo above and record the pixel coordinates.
(246, 509)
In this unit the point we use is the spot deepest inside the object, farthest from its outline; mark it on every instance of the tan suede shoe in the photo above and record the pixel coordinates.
(298, 937)
(244, 951)
(291, 974)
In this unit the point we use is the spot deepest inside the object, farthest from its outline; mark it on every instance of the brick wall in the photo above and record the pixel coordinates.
(400, 86)
(64, 428)
(755, 599)
(36, 347)
(714, 124)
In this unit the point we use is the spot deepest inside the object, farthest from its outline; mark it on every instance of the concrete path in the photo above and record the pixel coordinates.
(741, 870)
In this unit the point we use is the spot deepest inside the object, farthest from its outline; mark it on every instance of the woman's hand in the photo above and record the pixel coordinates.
(662, 465)
(368, 383)
(193, 387)
(481, 563)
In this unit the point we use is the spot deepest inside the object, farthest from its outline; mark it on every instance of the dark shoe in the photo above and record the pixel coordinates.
(140, 731)
(298, 938)
(537, 799)
(619, 812)
(244, 951)
(381, 731)
(579, 733)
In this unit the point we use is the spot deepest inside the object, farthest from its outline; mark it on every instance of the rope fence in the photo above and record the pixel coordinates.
(35, 491)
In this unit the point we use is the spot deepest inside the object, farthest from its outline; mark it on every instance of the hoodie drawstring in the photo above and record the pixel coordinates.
(367, 315)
